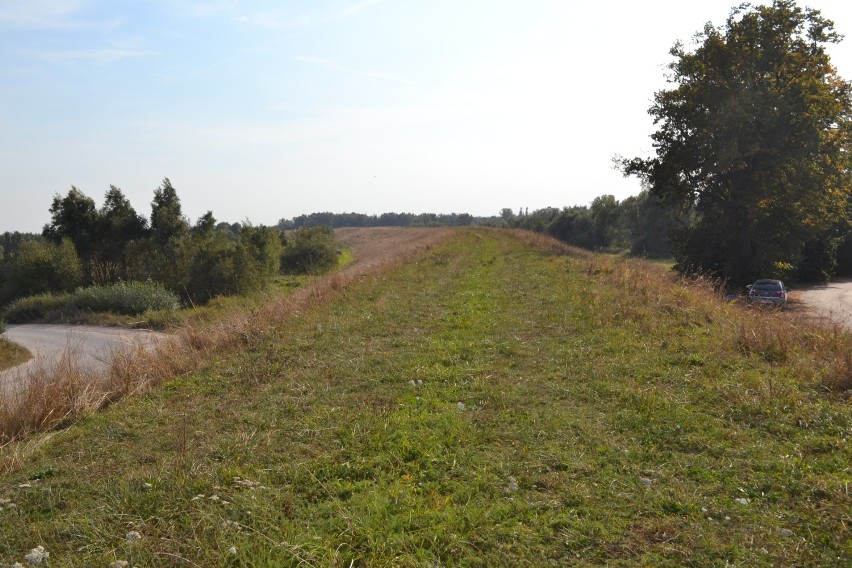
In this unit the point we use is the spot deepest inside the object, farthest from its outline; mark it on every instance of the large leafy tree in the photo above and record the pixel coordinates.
(752, 141)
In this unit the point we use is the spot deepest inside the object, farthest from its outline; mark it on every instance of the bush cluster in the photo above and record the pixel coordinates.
(309, 250)
(127, 298)
(36, 307)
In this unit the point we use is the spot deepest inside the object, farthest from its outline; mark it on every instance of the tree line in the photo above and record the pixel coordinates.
(638, 225)
(87, 245)
(338, 220)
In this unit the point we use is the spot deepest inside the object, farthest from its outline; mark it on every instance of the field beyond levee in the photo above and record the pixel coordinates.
(496, 401)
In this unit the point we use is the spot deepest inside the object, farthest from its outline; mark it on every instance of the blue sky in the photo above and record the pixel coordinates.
(261, 110)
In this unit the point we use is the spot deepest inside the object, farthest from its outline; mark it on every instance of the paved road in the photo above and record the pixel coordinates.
(90, 346)
(832, 301)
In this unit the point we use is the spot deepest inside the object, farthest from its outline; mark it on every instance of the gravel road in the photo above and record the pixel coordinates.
(91, 346)
(832, 301)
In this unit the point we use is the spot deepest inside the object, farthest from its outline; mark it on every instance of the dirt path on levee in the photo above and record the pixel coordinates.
(373, 245)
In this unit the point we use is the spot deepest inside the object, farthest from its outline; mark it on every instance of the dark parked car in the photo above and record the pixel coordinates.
(768, 293)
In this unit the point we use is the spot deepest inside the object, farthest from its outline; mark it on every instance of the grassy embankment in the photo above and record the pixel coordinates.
(11, 354)
(490, 404)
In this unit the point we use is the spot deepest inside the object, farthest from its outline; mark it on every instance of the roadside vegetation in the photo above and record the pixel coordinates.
(500, 399)
(11, 354)
(110, 265)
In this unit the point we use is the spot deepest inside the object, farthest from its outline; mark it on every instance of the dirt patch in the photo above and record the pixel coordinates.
(830, 302)
(373, 245)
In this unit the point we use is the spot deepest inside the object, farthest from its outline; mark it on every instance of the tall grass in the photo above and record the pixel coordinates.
(817, 351)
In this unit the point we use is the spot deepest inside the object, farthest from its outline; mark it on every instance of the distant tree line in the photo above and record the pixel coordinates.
(639, 224)
(338, 220)
(86, 245)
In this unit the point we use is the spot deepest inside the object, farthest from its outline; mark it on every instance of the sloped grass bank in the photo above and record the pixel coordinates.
(489, 404)
(11, 354)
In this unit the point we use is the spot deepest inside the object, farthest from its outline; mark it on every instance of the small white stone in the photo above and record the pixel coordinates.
(742, 500)
(785, 532)
(513, 484)
(460, 405)
(133, 536)
(37, 555)
(232, 551)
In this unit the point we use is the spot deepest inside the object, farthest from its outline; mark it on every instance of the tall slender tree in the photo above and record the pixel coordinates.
(118, 226)
(167, 220)
(75, 217)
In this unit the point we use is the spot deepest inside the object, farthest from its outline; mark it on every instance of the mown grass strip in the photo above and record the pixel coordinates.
(490, 404)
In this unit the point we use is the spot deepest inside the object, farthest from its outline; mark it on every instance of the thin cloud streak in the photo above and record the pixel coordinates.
(346, 12)
(42, 15)
(211, 66)
(105, 55)
(328, 64)
(273, 23)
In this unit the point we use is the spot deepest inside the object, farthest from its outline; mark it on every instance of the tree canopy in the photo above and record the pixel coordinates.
(752, 142)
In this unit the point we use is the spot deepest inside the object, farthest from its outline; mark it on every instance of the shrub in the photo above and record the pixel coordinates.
(309, 250)
(38, 267)
(128, 298)
(35, 307)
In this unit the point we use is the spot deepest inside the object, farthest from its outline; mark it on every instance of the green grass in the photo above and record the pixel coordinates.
(488, 405)
(11, 354)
